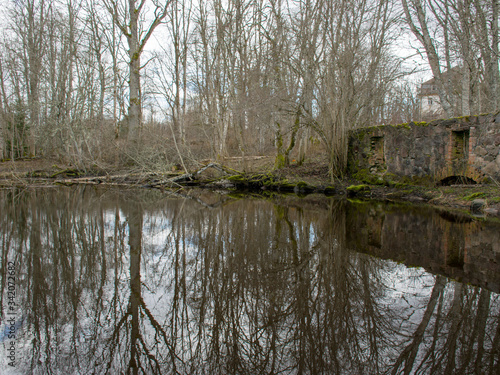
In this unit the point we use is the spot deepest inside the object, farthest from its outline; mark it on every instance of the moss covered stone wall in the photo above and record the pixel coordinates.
(467, 146)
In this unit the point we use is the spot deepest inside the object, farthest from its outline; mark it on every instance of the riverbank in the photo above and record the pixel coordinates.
(259, 177)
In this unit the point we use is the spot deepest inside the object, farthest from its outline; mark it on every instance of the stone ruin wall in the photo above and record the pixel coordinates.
(467, 146)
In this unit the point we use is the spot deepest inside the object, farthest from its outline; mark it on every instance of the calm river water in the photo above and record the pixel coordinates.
(98, 281)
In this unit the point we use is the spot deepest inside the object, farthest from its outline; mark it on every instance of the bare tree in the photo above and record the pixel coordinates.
(249, 76)
(358, 70)
(29, 23)
(487, 37)
(460, 39)
(129, 18)
(417, 20)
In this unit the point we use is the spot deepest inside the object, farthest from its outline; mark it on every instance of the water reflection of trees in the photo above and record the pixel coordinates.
(458, 333)
(139, 284)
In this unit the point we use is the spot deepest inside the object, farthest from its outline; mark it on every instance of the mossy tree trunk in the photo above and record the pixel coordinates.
(283, 155)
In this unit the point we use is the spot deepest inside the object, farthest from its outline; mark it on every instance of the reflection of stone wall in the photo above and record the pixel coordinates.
(468, 146)
(456, 247)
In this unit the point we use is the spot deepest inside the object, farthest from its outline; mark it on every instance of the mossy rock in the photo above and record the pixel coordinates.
(304, 188)
(394, 181)
(364, 175)
(330, 190)
(358, 190)
(266, 182)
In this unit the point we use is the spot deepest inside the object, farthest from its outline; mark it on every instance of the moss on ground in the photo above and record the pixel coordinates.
(364, 175)
(473, 196)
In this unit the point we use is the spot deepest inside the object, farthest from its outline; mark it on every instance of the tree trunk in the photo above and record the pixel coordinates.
(134, 109)
(494, 76)
(426, 40)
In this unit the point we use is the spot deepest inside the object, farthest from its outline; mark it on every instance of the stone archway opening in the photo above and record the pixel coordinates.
(456, 180)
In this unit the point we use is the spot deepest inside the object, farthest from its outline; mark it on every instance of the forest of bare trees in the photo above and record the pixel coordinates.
(162, 82)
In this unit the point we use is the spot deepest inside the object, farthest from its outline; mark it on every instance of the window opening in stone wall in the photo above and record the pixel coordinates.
(460, 150)
(377, 154)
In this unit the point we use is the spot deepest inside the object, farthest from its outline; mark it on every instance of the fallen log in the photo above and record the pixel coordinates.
(191, 176)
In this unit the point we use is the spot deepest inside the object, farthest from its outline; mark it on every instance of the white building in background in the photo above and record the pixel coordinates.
(430, 103)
